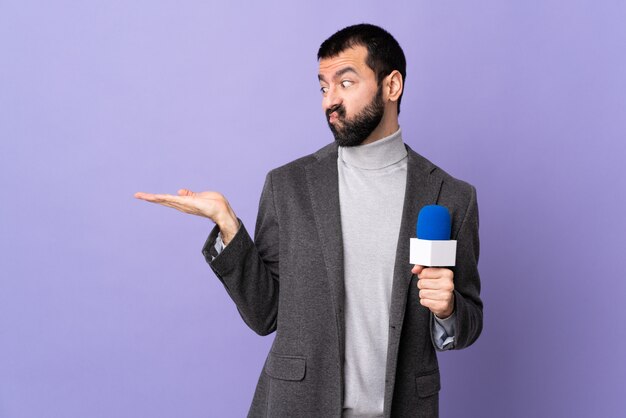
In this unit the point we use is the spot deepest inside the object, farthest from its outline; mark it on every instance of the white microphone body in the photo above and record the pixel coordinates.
(433, 253)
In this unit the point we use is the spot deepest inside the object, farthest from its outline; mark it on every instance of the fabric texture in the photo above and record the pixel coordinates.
(290, 279)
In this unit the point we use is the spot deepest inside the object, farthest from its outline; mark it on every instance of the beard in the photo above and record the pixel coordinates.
(352, 132)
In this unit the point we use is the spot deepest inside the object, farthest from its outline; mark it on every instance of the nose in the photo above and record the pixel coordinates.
(331, 99)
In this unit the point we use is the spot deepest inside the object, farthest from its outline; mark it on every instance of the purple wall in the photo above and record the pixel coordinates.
(107, 308)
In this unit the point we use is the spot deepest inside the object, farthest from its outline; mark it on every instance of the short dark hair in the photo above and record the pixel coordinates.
(383, 52)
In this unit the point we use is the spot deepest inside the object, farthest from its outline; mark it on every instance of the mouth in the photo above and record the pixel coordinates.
(333, 117)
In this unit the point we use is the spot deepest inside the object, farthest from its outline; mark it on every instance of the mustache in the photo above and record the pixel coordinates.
(341, 111)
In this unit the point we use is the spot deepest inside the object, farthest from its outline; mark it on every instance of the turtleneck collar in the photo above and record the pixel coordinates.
(376, 155)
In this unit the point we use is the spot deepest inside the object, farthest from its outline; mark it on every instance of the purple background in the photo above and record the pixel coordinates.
(107, 308)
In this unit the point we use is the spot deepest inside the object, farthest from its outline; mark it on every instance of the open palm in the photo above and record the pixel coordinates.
(212, 205)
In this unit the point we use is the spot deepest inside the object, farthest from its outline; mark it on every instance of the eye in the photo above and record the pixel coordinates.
(324, 90)
(346, 83)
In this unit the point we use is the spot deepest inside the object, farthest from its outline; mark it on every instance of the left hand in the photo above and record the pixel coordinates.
(436, 289)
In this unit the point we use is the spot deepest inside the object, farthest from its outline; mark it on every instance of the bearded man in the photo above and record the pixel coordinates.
(357, 329)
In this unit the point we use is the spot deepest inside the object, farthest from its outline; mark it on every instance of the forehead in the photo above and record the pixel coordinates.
(352, 57)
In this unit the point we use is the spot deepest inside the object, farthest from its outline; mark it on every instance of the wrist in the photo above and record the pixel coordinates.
(444, 316)
(229, 225)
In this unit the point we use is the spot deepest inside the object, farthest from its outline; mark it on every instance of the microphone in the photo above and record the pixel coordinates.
(433, 246)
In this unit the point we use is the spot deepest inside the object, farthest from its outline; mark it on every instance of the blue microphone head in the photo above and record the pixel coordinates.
(433, 223)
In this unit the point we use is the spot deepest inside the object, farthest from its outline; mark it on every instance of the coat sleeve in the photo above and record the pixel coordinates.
(468, 305)
(249, 270)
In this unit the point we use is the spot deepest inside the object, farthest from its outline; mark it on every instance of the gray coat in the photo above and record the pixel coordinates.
(290, 280)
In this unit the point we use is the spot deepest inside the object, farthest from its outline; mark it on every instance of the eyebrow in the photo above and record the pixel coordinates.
(339, 73)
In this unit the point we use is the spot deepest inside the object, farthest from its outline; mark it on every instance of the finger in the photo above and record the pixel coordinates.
(438, 295)
(430, 294)
(183, 201)
(161, 200)
(417, 269)
(430, 284)
(150, 197)
(168, 204)
(436, 273)
(185, 192)
(144, 196)
(183, 208)
(429, 303)
(435, 284)
(433, 305)
(165, 197)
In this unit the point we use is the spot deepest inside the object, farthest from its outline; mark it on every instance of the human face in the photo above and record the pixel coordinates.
(352, 99)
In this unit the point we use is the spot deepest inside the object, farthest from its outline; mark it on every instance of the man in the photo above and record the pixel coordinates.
(356, 329)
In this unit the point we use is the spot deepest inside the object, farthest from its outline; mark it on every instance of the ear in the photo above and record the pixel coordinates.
(394, 85)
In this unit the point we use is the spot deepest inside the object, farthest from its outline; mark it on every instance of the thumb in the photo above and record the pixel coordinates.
(417, 269)
(185, 192)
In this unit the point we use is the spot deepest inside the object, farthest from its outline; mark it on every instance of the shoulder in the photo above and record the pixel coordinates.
(452, 189)
(296, 168)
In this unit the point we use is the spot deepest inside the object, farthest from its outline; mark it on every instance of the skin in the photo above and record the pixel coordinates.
(345, 80)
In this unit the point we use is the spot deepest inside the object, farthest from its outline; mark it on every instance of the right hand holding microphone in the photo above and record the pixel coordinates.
(212, 205)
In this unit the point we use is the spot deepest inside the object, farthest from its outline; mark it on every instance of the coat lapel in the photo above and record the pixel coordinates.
(422, 188)
(323, 183)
